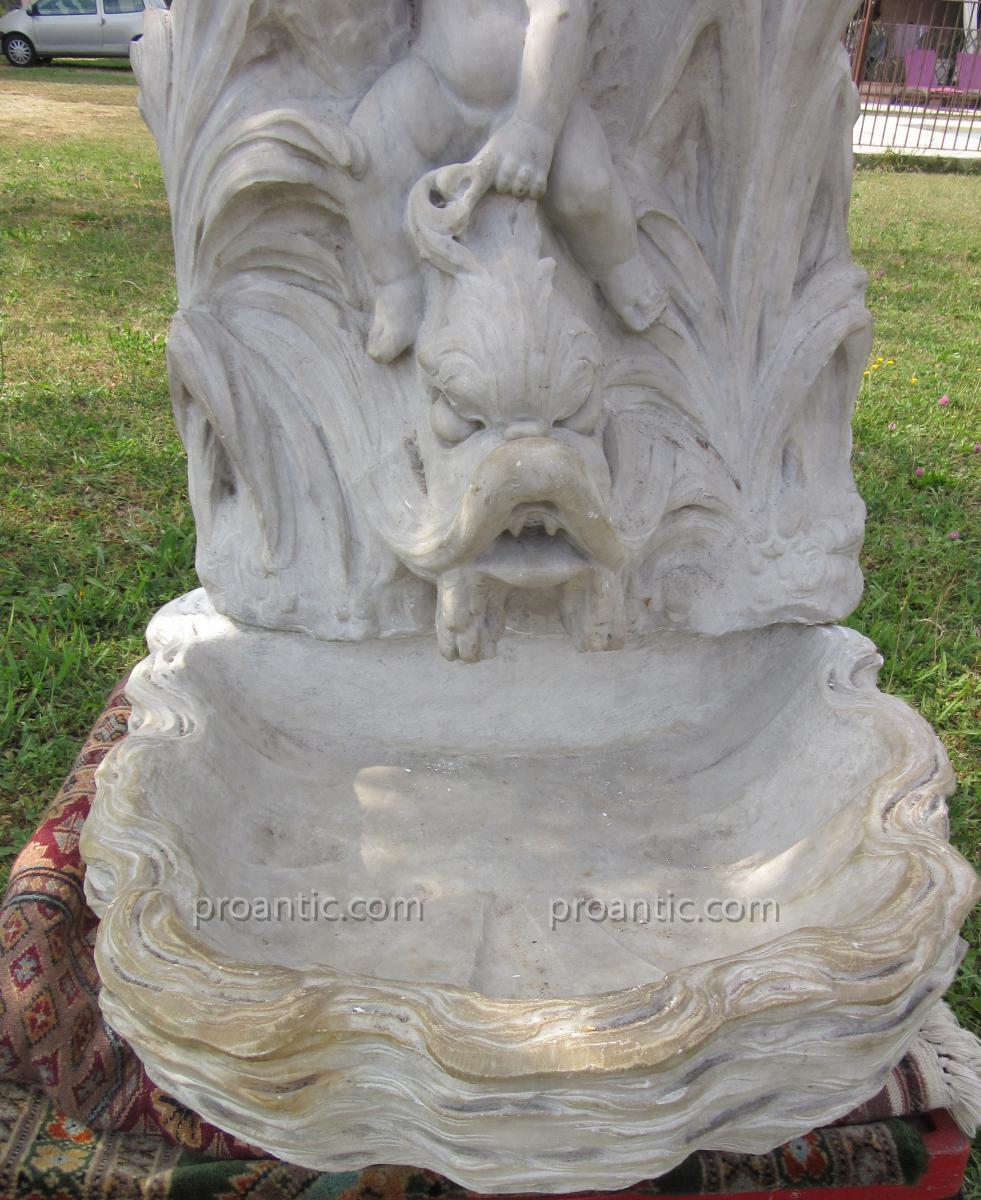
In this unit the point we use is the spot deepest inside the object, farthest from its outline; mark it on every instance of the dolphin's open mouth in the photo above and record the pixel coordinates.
(535, 550)
(531, 517)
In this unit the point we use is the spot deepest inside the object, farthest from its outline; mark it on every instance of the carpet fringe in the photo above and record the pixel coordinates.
(958, 1054)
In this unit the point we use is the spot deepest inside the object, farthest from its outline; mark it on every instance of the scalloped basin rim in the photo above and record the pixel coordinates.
(466, 1003)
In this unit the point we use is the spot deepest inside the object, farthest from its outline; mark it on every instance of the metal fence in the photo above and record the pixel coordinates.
(919, 80)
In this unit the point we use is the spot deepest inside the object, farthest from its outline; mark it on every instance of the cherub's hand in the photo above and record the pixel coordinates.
(518, 157)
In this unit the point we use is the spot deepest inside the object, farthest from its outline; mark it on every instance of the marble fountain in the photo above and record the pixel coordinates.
(515, 359)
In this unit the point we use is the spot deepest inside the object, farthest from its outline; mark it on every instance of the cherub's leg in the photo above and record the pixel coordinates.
(405, 122)
(589, 203)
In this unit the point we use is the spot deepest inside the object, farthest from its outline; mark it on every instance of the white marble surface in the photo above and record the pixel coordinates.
(650, 367)
(386, 773)
(510, 330)
(479, 1040)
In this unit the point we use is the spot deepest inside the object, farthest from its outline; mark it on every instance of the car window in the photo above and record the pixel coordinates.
(157, 4)
(122, 6)
(66, 8)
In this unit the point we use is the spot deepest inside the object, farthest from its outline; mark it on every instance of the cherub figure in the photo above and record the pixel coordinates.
(495, 82)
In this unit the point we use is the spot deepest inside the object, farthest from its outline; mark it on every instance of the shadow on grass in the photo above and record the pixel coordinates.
(916, 164)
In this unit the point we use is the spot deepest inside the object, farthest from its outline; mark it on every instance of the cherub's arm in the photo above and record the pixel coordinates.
(551, 69)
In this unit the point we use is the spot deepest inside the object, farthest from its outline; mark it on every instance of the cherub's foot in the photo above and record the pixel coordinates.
(398, 311)
(633, 294)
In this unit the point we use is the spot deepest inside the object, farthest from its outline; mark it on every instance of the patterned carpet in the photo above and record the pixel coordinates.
(80, 1118)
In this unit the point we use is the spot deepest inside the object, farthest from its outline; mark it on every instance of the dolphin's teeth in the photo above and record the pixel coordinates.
(551, 526)
(516, 527)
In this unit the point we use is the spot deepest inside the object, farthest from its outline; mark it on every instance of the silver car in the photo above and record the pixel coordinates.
(50, 29)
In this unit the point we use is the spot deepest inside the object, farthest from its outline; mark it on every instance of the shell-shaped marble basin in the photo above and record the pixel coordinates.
(549, 922)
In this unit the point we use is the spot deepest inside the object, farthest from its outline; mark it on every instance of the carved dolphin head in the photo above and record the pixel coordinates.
(508, 354)
(511, 442)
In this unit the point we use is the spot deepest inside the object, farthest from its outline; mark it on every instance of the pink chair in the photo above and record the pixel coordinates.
(921, 73)
(969, 74)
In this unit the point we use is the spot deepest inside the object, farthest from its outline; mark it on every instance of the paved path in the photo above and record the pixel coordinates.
(948, 132)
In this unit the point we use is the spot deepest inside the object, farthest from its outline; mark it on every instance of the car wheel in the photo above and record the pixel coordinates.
(19, 51)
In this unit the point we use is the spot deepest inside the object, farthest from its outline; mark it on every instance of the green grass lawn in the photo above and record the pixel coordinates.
(96, 531)
(95, 528)
(72, 71)
(918, 464)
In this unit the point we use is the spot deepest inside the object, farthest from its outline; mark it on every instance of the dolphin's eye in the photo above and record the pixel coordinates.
(448, 424)
(586, 418)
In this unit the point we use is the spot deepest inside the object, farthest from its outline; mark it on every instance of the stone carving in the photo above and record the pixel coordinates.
(482, 1041)
(528, 500)
(498, 81)
(517, 328)
(308, 148)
